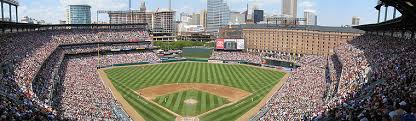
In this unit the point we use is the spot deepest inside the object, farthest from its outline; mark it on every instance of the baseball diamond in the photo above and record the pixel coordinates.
(205, 91)
(191, 102)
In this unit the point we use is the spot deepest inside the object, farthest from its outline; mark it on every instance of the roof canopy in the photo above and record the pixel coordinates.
(407, 22)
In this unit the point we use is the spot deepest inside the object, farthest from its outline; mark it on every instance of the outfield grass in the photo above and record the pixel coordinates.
(258, 81)
(206, 102)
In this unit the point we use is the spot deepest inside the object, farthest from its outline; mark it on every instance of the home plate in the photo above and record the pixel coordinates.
(187, 118)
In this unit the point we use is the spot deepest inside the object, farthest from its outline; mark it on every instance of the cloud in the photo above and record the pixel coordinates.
(308, 5)
(54, 11)
(41, 10)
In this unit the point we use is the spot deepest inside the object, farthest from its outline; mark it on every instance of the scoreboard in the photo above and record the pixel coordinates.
(230, 44)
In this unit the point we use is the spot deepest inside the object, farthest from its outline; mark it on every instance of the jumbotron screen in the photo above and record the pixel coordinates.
(230, 44)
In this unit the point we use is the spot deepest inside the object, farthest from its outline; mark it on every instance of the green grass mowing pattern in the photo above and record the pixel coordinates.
(200, 54)
(183, 109)
(258, 81)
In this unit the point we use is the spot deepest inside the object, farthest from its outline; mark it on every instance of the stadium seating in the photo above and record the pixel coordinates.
(235, 56)
(36, 73)
(369, 78)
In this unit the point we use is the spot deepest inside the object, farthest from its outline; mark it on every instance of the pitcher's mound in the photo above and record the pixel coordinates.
(190, 101)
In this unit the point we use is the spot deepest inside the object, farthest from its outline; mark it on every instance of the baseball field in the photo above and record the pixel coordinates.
(192, 90)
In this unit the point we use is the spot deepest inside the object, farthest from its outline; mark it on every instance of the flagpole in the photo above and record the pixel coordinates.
(98, 54)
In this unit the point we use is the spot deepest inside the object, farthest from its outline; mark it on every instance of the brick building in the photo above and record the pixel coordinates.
(318, 40)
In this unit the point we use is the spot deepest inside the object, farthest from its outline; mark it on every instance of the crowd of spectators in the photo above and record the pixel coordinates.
(313, 60)
(278, 56)
(43, 83)
(299, 97)
(370, 78)
(24, 54)
(112, 59)
(107, 47)
(354, 65)
(382, 72)
(235, 56)
(15, 106)
(84, 94)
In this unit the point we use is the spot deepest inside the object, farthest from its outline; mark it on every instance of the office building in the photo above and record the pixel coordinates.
(218, 15)
(237, 18)
(164, 21)
(195, 19)
(310, 18)
(355, 21)
(203, 19)
(130, 17)
(79, 14)
(28, 20)
(258, 16)
(289, 8)
(143, 7)
(299, 40)
(190, 28)
(185, 17)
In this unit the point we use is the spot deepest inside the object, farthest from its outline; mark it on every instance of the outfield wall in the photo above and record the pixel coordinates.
(143, 63)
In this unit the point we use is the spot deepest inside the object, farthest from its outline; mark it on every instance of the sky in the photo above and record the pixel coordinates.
(329, 12)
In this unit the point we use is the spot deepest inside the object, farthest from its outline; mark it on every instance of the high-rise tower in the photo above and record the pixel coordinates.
(310, 18)
(170, 5)
(290, 8)
(143, 6)
(218, 15)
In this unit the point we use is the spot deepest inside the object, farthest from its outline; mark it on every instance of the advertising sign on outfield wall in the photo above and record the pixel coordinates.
(240, 44)
(220, 44)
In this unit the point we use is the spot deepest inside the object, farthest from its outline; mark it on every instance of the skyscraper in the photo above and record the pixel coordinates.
(258, 16)
(310, 17)
(290, 8)
(195, 19)
(218, 15)
(237, 18)
(355, 21)
(143, 7)
(164, 21)
(203, 19)
(79, 14)
(185, 17)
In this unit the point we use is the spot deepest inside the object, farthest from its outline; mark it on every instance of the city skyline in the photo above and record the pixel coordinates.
(328, 11)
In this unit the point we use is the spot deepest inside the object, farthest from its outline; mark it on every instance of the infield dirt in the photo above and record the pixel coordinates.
(230, 93)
